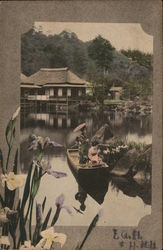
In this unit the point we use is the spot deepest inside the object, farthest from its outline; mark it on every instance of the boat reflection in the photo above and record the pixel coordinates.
(97, 190)
(131, 188)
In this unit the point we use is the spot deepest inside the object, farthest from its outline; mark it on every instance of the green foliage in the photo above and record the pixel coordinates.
(41, 51)
(26, 188)
(56, 216)
(45, 223)
(97, 61)
(138, 146)
(80, 61)
(100, 83)
(101, 51)
(141, 88)
(43, 204)
(56, 56)
(1, 162)
(144, 59)
(143, 163)
(90, 228)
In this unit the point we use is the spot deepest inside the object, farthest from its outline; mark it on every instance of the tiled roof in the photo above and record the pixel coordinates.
(23, 77)
(52, 76)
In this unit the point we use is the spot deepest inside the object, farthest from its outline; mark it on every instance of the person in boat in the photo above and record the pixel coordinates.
(93, 153)
(83, 146)
(83, 143)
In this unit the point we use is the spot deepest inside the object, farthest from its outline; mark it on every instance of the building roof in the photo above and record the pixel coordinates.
(63, 85)
(115, 89)
(54, 76)
(30, 86)
(23, 77)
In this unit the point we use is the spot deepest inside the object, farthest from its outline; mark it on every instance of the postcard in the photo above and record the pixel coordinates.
(81, 125)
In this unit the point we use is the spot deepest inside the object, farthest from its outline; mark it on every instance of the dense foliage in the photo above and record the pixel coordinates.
(97, 61)
(101, 51)
(144, 59)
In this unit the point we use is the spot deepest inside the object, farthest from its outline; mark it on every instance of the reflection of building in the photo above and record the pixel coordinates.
(52, 85)
(115, 92)
(54, 120)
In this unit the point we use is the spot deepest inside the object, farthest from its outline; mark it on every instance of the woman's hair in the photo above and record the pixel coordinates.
(94, 143)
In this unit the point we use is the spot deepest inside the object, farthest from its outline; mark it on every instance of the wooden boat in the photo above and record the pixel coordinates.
(93, 178)
(73, 159)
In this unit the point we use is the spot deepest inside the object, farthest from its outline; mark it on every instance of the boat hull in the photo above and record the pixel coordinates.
(93, 179)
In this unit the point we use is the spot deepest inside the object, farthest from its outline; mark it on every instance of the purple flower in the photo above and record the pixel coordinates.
(55, 144)
(56, 174)
(33, 145)
(67, 209)
(39, 142)
(60, 200)
(7, 215)
(59, 203)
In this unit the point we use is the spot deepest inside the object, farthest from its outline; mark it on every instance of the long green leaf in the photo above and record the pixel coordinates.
(36, 182)
(2, 201)
(23, 235)
(8, 129)
(12, 136)
(45, 223)
(56, 216)
(1, 162)
(11, 195)
(36, 235)
(6, 195)
(15, 162)
(18, 206)
(30, 220)
(43, 204)
(90, 228)
(27, 187)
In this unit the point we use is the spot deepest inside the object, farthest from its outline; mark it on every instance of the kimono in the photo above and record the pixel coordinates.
(83, 149)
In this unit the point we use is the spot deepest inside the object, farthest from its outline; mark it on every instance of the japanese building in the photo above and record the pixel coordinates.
(52, 85)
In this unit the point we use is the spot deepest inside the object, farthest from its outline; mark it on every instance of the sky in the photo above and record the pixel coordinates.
(121, 35)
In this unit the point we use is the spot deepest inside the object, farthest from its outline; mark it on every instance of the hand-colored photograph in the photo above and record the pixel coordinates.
(85, 133)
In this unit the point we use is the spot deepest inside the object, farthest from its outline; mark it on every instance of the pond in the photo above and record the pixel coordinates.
(124, 201)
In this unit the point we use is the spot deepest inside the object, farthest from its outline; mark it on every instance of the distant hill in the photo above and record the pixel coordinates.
(128, 70)
(66, 50)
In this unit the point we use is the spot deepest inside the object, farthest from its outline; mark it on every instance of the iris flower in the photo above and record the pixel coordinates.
(4, 240)
(41, 142)
(12, 180)
(49, 237)
(46, 167)
(59, 203)
(6, 214)
(28, 246)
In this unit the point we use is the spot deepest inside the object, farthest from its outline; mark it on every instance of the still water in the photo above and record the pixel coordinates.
(124, 202)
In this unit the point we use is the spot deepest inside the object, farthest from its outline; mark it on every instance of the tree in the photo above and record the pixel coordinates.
(101, 51)
(79, 62)
(56, 56)
(144, 59)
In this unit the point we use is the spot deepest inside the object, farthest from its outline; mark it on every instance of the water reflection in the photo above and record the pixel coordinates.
(117, 195)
